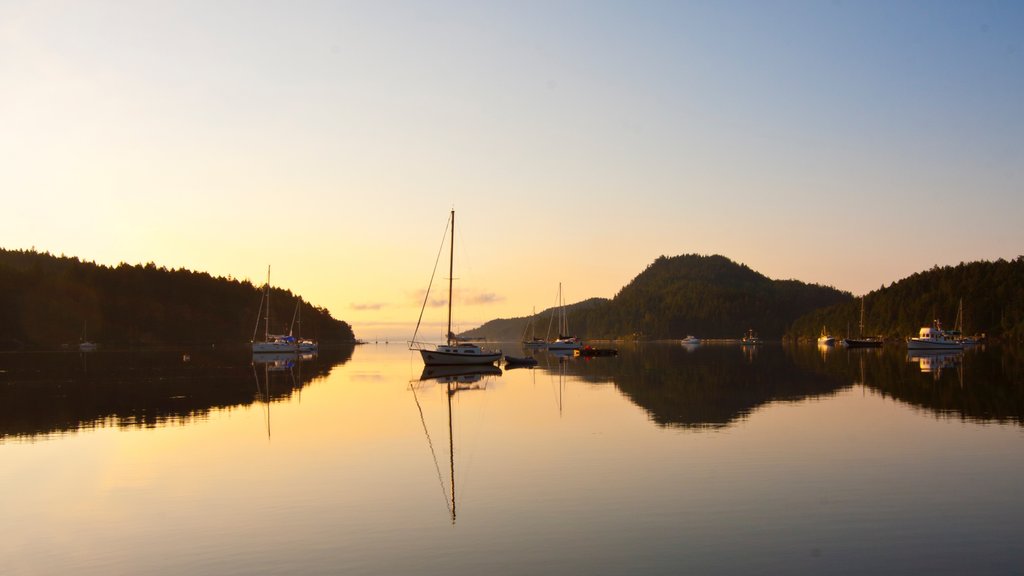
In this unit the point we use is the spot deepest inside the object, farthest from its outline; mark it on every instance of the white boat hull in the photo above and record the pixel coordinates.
(274, 347)
(926, 344)
(565, 344)
(445, 358)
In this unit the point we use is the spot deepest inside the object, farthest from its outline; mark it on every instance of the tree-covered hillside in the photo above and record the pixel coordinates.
(47, 301)
(545, 324)
(708, 296)
(992, 295)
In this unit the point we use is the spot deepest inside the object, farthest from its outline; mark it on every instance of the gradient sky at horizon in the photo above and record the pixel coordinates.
(842, 143)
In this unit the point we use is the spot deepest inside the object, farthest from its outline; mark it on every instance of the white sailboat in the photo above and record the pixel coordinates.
(85, 345)
(453, 352)
(271, 343)
(564, 340)
(533, 343)
(303, 344)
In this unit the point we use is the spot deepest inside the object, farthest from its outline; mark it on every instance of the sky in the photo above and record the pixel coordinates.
(842, 143)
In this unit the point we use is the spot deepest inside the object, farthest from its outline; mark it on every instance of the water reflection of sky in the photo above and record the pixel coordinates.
(556, 469)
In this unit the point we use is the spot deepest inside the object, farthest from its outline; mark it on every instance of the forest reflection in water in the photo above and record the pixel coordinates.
(660, 460)
(711, 386)
(45, 393)
(707, 386)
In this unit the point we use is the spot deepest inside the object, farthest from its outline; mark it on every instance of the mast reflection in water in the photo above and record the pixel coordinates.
(455, 379)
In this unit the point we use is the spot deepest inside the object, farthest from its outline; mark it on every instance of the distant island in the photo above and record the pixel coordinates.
(714, 297)
(47, 302)
(709, 296)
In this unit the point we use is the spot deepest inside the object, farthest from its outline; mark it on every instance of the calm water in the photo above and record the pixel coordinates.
(716, 460)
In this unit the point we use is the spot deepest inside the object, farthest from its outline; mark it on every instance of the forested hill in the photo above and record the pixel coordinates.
(545, 324)
(46, 302)
(992, 295)
(707, 296)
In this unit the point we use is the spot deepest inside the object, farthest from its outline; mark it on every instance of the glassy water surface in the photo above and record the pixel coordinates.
(663, 460)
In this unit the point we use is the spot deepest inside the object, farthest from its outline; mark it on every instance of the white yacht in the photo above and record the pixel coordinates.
(934, 338)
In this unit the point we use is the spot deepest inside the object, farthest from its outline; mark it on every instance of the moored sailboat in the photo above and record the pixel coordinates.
(533, 343)
(862, 341)
(564, 341)
(271, 343)
(452, 352)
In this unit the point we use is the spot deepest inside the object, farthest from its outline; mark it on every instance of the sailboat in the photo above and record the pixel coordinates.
(303, 344)
(85, 345)
(863, 341)
(958, 328)
(533, 343)
(563, 342)
(271, 343)
(825, 339)
(452, 352)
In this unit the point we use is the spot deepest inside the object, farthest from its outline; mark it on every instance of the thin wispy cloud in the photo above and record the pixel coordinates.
(463, 297)
(366, 306)
(484, 298)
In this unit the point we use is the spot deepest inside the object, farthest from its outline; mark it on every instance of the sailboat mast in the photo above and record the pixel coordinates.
(862, 316)
(266, 314)
(451, 276)
(451, 445)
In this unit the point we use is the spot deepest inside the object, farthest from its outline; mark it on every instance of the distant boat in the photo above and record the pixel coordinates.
(690, 341)
(958, 328)
(304, 344)
(934, 338)
(271, 343)
(825, 339)
(533, 343)
(563, 342)
(590, 351)
(452, 352)
(85, 345)
(751, 339)
(862, 341)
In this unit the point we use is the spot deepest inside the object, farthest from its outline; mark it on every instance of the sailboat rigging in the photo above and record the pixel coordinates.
(863, 341)
(564, 340)
(277, 343)
(452, 352)
(455, 379)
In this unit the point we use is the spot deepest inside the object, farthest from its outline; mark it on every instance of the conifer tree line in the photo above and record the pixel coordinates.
(47, 302)
(991, 295)
(714, 297)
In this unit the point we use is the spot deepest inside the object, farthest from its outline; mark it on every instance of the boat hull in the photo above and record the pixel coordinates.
(443, 358)
(274, 347)
(862, 343)
(925, 344)
(566, 344)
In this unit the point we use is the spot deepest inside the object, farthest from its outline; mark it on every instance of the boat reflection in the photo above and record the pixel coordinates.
(455, 379)
(934, 361)
(283, 371)
(459, 374)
